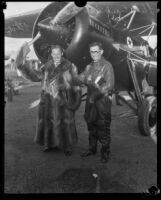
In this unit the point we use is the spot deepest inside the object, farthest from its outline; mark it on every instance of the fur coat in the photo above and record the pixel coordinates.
(56, 115)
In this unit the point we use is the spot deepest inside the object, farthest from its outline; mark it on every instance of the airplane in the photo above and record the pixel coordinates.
(120, 26)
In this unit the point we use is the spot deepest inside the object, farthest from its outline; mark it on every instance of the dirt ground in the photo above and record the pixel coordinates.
(132, 167)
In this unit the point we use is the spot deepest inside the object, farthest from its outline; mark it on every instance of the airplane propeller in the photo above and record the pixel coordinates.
(68, 12)
(34, 39)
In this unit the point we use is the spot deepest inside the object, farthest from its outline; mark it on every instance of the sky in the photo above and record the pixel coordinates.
(14, 8)
(12, 45)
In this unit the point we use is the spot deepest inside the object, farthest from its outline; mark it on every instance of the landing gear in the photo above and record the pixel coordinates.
(146, 106)
(147, 116)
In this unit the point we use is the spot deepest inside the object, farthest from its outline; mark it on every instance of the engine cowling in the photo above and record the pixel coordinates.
(48, 36)
(67, 34)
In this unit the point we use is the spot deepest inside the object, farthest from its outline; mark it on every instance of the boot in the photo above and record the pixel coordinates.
(47, 149)
(104, 157)
(105, 152)
(88, 152)
(68, 151)
(92, 145)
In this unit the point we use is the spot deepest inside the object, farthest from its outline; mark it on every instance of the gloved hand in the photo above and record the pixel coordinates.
(96, 94)
(88, 81)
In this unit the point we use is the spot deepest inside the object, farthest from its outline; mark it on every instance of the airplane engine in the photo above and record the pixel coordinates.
(50, 36)
(72, 31)
(69, 32)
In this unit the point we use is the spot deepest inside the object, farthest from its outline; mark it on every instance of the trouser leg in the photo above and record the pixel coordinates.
(92, 137)
(103, 126)
(105, 140)
(90, 118)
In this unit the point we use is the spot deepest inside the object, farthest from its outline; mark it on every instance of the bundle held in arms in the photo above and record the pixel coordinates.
(58, 82)
(54, 86)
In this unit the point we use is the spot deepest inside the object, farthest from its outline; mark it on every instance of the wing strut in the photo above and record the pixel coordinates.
(133, 11)
(131, 66)
(144, 29)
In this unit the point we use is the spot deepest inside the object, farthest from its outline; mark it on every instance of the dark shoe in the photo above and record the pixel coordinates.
(55, 148)
(87, 153)
(47, 149)
(68, 152)
(104, 158)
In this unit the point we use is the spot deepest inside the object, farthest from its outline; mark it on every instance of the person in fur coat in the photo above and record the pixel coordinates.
(59, 99)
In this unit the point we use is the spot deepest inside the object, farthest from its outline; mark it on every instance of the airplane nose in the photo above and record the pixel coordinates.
(50, 32)
(57, 34)
(69, 11)
(56, 29)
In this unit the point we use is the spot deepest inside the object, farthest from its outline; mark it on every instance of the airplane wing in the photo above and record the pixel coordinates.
(21, 26)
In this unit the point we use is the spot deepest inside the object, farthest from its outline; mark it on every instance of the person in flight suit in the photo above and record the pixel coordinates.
(99, 78)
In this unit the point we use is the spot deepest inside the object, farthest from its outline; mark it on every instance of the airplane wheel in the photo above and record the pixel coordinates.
(147, 116)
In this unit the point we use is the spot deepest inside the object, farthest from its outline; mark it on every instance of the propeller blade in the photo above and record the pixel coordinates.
(69, 11)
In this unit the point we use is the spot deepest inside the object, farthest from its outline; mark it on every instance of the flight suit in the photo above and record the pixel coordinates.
(99, 78)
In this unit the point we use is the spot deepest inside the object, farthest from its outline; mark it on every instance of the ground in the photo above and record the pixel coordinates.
(132, 167)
